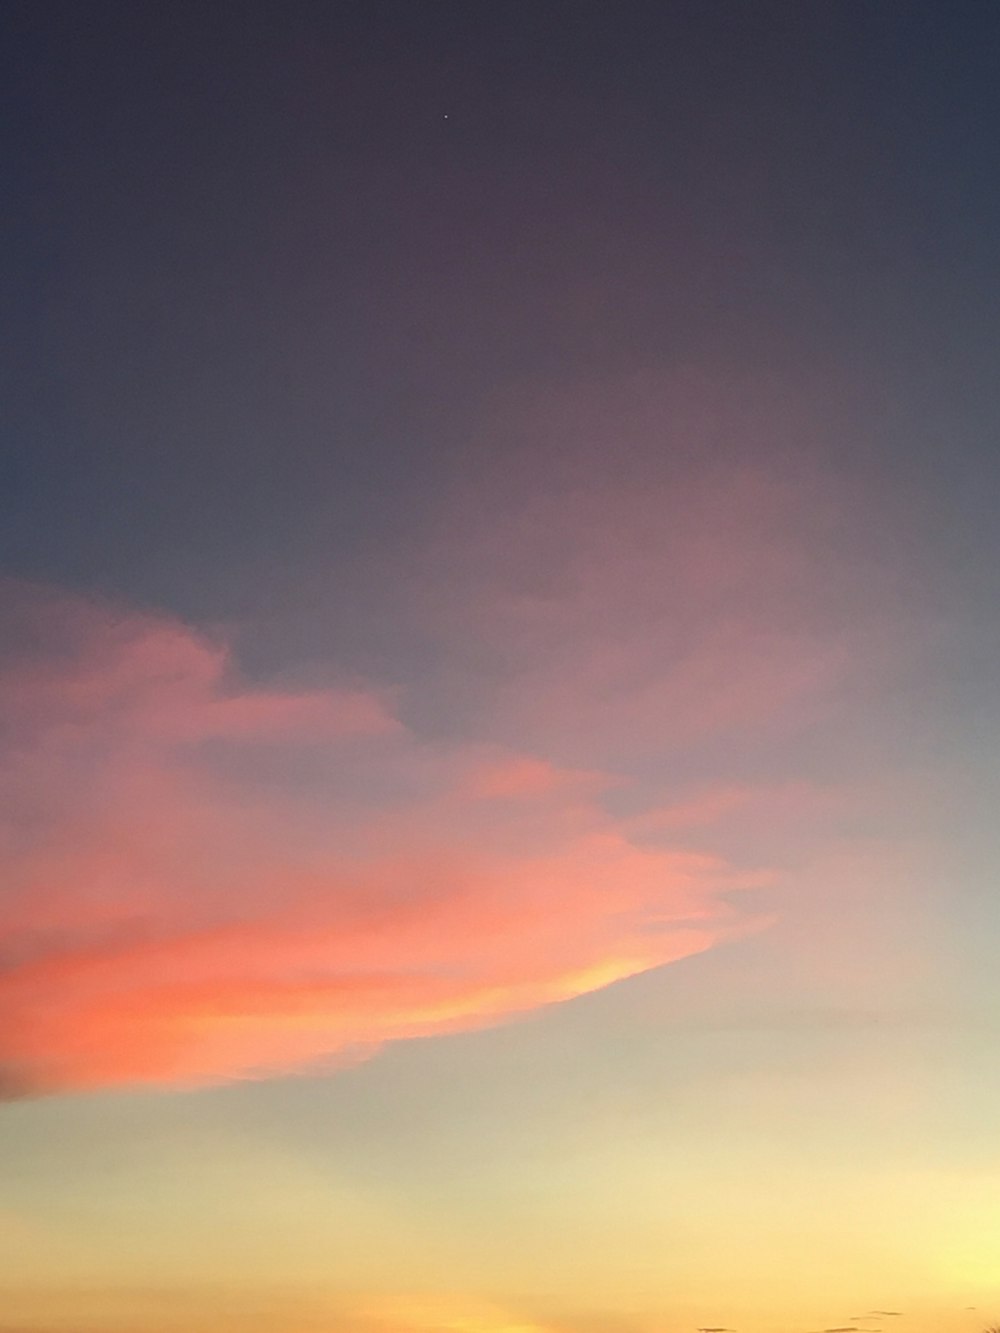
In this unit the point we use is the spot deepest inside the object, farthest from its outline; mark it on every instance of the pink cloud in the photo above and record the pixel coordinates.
(626, 591)
(787, 802)
(176, 915)
(205, 878)
(153, 677)
(516, 777)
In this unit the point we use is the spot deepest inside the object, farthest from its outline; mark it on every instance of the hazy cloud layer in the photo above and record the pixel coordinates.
(205, 880)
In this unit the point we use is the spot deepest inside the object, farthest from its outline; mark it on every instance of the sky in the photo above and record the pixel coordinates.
(498, 649)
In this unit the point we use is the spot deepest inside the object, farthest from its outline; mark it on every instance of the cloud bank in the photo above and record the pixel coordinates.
(602, 655)
(203, 879)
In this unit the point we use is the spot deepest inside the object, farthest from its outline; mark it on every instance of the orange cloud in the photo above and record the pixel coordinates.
(206, 880)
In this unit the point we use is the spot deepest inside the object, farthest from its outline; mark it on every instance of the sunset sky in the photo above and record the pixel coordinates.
(498, 667)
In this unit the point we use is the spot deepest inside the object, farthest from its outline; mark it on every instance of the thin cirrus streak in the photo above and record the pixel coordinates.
(182, 905)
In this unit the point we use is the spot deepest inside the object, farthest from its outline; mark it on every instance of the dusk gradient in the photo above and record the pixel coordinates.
(498, 667)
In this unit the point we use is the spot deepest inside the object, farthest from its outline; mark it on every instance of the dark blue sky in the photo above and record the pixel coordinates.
(261, 294)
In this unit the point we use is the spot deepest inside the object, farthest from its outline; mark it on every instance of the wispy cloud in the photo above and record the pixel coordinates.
(205, 880)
